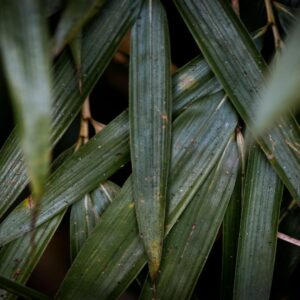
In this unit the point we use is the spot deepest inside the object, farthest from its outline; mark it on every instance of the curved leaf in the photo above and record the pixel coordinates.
(150, 125)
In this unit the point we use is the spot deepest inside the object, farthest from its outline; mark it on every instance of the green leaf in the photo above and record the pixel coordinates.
(191, 82)
(258, 233)
(78, 174)
(24, 50)
(281, 92)
(231, 226)
(74, 17)
(100, 41)
(18, 258)
(198, 71)
(21, 290)
(113, 256)
(234, 59)
(85, 214)
(188, 245)
(150, 125)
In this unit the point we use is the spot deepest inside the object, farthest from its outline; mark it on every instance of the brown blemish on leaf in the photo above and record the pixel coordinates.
(165, 117)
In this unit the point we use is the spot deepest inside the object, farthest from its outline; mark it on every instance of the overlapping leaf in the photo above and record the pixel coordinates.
(100, 41)
(185, 92)
(190, 241)
(239, 67)
(114, 251)
(85, 214)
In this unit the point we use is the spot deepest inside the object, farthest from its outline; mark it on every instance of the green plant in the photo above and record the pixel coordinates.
(193, 172)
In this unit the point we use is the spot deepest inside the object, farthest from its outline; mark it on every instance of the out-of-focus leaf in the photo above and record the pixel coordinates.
(75, 15)
(24, 50)
(199, 77)
(21, 290)
(281, 92)
(150, 125)
(236, 62)
(86, 212)
(231, 226)
(100, 41)
(113, 256)
(258, 233)
(190, 241)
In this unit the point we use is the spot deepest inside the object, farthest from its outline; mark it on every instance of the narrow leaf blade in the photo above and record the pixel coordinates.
(85, 214)
(258, 233)
(150, 125)
(21, 290)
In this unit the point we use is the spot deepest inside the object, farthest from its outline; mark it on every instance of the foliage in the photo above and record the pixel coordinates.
(203, 171)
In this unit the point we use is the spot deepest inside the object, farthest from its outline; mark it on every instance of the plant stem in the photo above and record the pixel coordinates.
(272, 22)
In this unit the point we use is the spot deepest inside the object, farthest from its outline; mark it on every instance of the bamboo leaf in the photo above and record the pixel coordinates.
(184, 89)
(190, 241)
(85, 214)
(24, 50)
(239, 67)
(19, 258)
(21, 290)
(100, 41)
(113, 256)
(79, 174)
(74, 17)
(281, 92)
(258, 233)
(231, 226)
(150, 125)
